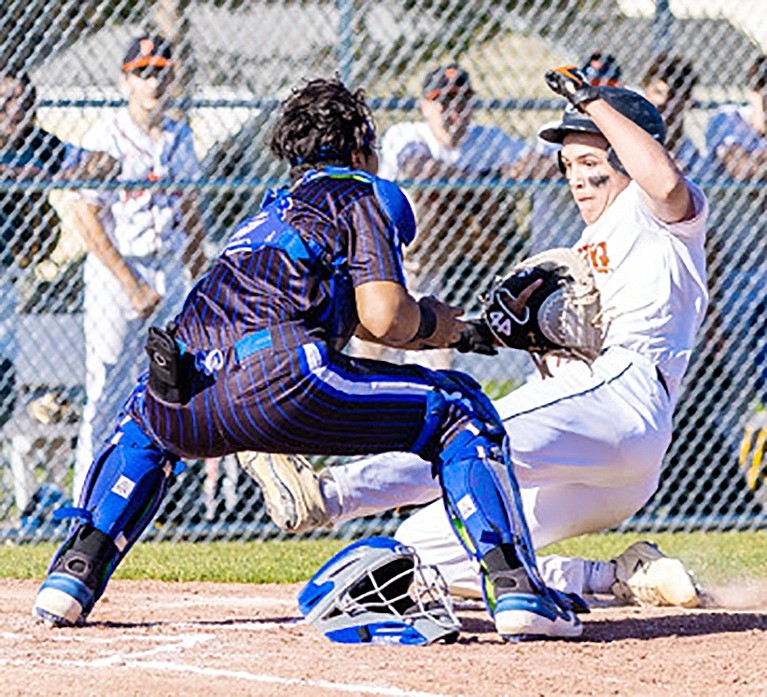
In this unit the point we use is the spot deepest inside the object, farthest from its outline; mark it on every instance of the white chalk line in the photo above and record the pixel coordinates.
(179, 643)
(184, 668)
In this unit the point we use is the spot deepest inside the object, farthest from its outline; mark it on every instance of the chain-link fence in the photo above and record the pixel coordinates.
(235, 60)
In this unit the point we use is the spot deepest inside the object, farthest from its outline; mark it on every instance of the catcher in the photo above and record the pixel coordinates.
(588, 440)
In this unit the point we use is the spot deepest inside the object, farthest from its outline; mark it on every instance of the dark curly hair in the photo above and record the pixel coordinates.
(323, 123)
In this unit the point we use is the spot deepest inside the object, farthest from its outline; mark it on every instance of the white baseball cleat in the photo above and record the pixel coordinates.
(291, 489)
(529, 616)
(523, 610)
(646, 576)
(60, 602)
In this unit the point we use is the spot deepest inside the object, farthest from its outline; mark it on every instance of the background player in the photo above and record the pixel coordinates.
(668, 83)
(139, 241)
(254, 361)
(460, 228)
(588, 443)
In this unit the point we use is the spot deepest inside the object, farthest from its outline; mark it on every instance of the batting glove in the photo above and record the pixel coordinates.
(572, 84)
(476, 337)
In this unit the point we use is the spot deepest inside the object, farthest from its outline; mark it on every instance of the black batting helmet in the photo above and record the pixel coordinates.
(632, 105)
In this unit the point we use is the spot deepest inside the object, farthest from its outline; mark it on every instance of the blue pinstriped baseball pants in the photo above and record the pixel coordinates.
(304, 399)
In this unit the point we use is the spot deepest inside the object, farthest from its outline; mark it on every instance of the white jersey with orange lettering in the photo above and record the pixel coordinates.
(143, 222)
(652, 280)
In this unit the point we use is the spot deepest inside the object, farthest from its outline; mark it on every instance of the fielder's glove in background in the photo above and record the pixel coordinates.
(572, 84)
(562, 316)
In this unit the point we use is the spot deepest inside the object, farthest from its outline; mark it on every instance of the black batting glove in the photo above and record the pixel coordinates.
(572, 84)
(476, 337)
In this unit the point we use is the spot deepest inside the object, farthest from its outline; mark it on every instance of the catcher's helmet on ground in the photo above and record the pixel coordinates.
(376, 591)
(631, 104)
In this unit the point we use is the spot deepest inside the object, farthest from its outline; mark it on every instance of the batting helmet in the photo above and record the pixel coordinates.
(632, 105)
(376, 591)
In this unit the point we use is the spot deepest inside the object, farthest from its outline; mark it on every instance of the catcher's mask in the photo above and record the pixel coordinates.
(376, 591)
(632, 105)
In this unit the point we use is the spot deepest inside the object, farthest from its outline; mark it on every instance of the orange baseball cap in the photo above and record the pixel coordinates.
(147, 50)
(447, 81)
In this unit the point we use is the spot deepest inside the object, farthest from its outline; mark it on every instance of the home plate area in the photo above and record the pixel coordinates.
(238, 639)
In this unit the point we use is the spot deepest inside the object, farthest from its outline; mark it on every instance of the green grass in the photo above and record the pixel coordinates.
(716, 558)
(225, 562)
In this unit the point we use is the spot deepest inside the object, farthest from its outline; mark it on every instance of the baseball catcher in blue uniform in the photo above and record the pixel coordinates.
(254, 362)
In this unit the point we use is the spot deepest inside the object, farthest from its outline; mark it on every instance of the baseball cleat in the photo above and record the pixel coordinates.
(77, 577)
(646, 576)
(291, 489)
(529, 616)
(62, 601)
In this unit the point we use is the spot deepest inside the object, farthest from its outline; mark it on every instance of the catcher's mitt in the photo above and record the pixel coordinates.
(560, 316)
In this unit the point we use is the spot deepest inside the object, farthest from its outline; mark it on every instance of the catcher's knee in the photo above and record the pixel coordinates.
(456, 401)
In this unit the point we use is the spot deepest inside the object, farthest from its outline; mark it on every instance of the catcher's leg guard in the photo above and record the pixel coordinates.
(124, 489)
(482, 500)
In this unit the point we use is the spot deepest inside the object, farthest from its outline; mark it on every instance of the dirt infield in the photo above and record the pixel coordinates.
(209, 639)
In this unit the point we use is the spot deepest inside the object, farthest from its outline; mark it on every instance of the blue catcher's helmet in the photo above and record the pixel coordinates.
(376, 591)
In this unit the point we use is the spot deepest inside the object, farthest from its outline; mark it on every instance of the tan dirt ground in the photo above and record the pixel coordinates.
(212, 639)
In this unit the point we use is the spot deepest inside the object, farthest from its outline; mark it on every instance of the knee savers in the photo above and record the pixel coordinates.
(456, 397)
(125, 485)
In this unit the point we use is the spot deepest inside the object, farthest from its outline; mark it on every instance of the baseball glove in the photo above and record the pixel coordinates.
(548, 304)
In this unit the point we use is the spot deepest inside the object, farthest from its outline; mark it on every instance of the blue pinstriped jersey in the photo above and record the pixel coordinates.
(297, 261)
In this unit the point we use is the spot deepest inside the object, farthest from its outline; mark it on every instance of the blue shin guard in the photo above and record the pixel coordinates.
(122, 493)
(484, 504)
(126, 484)
(479, 486)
